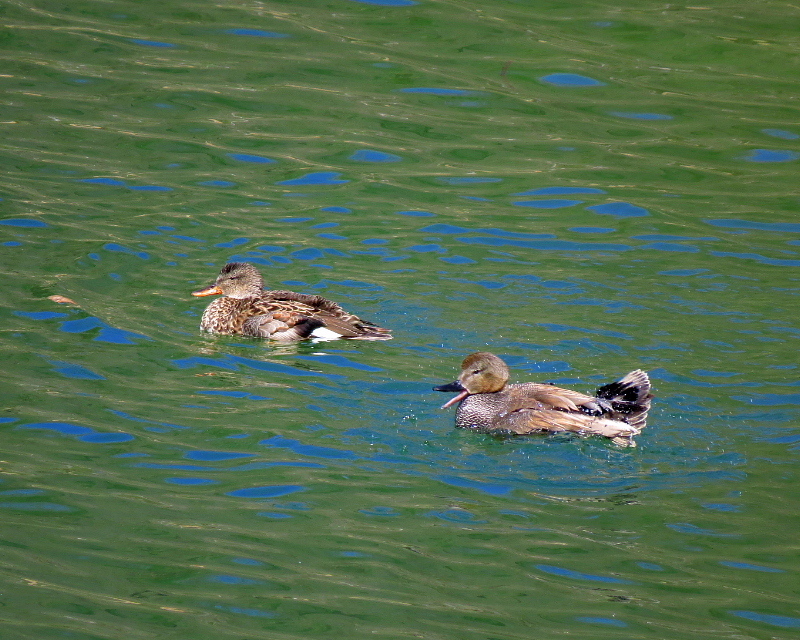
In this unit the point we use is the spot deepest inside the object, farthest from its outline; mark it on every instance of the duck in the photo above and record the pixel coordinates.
(488, 404)
(246, 309)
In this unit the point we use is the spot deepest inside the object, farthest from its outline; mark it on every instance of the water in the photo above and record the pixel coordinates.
(582, 189)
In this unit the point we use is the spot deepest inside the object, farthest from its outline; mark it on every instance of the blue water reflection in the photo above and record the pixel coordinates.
(191, 482)
(107, 332)
(750, 567)
(75, 371)
(620, 210)
(611, 622)
(592, 229)
(249, 157)
(85, 434)
(153, 43)
(31, 223)
(216, 456)
(267, 491)
(577, 575)
(118, 248)
(40, 315)
(232, 243)
(788, 622)
(458, 516)
(256, 33)
(771, 155)
(440, 91)
(417, 214)
(336, 210)
(370, 155)
(571, 80)
(316, 178)
(315, 451)
(780, 133)
(467, 483)
(105, 181)
(685, 527)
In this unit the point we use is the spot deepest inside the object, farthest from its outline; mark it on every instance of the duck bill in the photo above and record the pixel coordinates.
(451, 388)
(212, 290)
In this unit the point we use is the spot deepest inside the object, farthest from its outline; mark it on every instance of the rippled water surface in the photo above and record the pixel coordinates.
(581, 188)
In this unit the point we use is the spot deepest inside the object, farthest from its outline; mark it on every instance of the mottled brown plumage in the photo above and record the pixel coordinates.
(489, 405)
(245, 308)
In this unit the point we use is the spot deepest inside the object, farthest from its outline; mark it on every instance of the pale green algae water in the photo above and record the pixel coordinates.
(581, 188)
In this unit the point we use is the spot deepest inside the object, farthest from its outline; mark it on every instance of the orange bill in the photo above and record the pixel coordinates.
(213, 290)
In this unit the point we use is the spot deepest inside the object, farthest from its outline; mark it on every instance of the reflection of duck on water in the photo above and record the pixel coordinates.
(489, 405)
(245, 308)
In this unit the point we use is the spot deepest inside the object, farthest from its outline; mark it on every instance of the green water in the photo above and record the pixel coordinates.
(431, 168)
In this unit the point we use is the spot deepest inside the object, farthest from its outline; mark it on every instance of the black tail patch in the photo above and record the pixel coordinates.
(629, 397)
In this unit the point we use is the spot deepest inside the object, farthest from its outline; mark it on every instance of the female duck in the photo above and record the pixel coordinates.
(245, 308)
(489, 405)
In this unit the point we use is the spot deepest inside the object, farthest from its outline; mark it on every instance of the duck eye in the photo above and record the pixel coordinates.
(477, 371)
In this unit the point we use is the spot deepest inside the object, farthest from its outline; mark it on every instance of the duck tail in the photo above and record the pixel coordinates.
(371, 331)
(354, 328)
(629, 398)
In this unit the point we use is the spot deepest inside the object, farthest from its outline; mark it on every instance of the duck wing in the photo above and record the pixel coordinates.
(311, 303)
(533, 395)
(330, 314)
(276, 320)
(618, 411)
(525, 421)
(287, 316)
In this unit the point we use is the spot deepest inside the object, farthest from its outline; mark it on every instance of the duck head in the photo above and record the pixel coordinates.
(236, 280)
(481, 372)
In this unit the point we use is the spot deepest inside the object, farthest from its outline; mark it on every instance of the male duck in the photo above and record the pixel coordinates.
(247, 309)
(489, 405)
